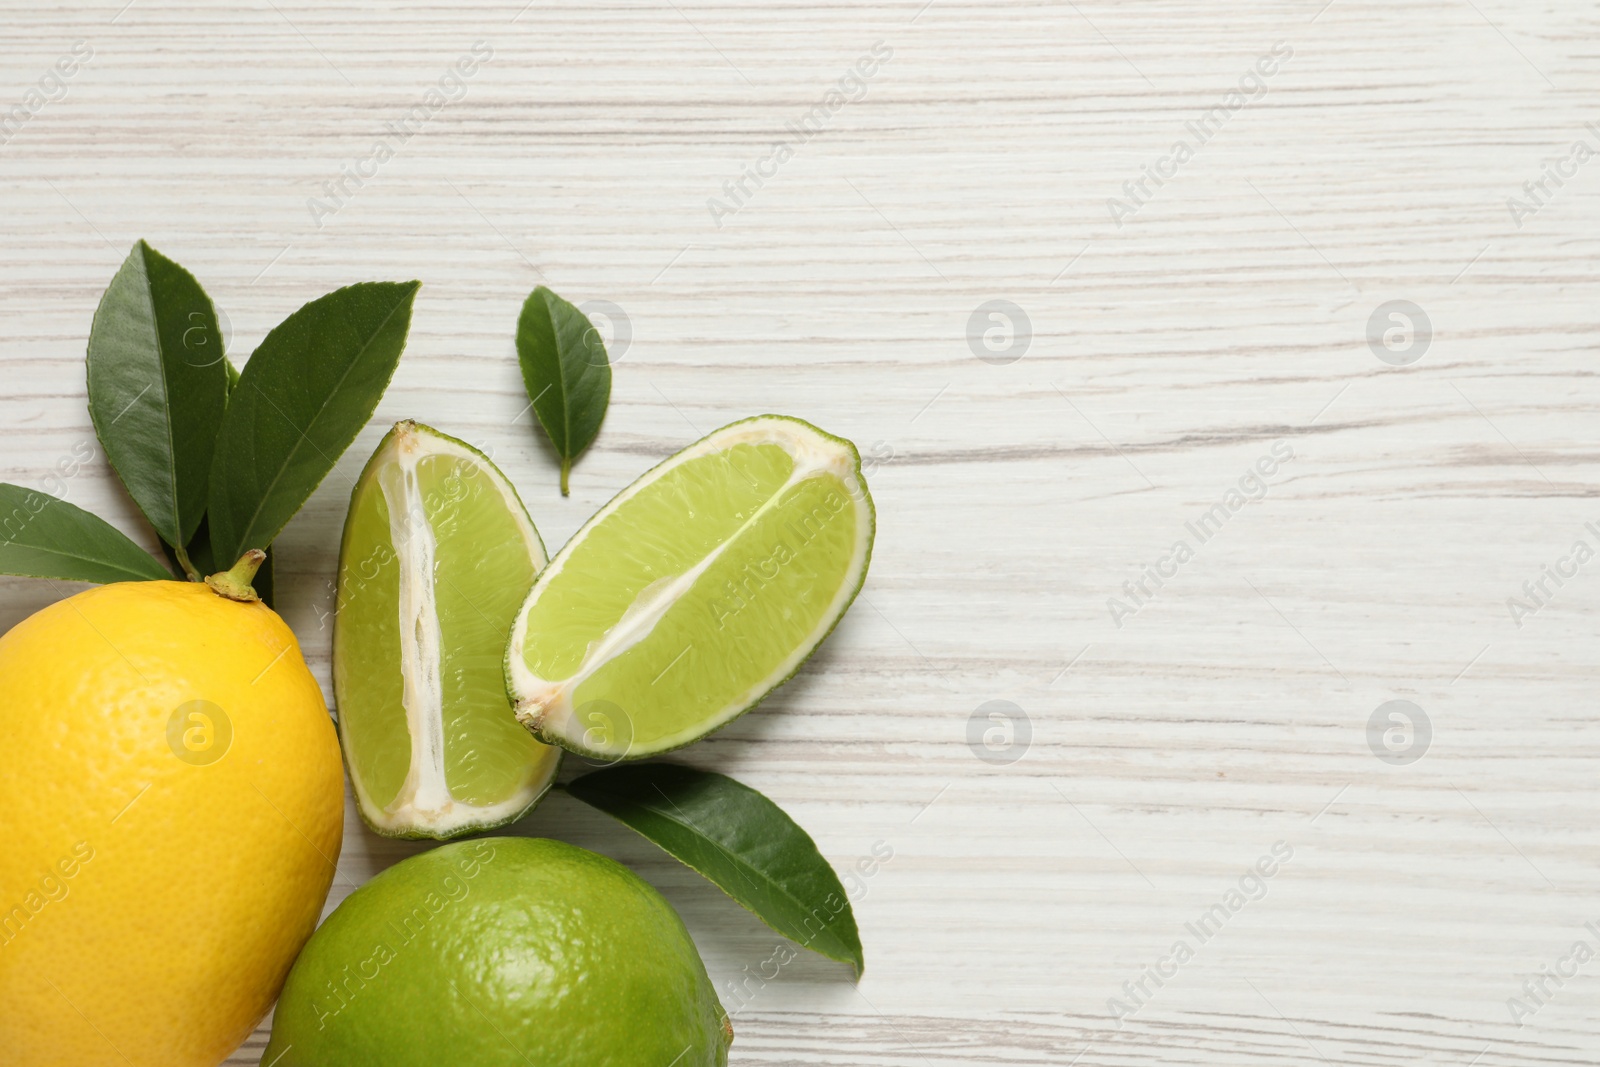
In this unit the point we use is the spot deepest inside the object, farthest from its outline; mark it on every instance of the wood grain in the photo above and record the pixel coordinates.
(1167, 355)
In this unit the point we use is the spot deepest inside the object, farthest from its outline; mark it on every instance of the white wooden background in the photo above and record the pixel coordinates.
(1166, 356)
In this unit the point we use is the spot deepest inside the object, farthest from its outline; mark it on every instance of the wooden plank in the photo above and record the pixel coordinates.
(1174, 740)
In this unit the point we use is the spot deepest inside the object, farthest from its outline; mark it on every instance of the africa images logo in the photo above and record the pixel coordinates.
(352, 979)
(51, 87)
(1251, 886)
(1251, 488)
(851, 87)
(1197, 132)
(449, 89)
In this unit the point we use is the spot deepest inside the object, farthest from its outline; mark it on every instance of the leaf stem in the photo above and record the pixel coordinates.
(566, 468)
(183, 561)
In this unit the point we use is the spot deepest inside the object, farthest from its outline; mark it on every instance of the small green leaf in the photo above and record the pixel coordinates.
(42, 537)
(739, 840)
(157, 387)
(301, 399)
(565, 369)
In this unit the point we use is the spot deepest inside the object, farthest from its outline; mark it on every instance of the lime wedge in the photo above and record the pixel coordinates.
(438, 553)
(693, 594)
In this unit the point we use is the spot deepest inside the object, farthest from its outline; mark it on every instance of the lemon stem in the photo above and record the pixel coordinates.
(566, 468)
(234, 583)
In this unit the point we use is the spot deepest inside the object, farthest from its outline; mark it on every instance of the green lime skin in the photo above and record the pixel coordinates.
(501, 952)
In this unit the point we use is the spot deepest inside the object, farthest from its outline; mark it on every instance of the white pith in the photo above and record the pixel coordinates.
(424, 803)
(546, 703)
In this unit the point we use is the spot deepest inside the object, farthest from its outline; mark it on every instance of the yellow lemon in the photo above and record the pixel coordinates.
(173, 803)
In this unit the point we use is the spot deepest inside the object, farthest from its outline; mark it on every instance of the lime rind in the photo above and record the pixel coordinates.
(544, 705)
(424, 805)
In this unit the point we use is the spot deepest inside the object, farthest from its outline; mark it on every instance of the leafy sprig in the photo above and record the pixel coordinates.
(217, 460)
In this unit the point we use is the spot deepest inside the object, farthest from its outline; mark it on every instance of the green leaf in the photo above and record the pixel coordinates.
(157, 387)
(565, 369)
(739, 840)
(42, 537)
(301, 399)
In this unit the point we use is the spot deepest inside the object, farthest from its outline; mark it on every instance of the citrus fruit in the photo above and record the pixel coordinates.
(438, 553)
(501, 952)
(696, 591)
(174, 806)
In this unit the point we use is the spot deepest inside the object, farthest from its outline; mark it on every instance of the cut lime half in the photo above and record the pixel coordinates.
(438, 554)
(694, 593)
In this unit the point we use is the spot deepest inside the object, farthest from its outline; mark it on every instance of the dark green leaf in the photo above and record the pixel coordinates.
(565, 368)
(741, 841)
(42, 537)
(157, 386)
(301, 399)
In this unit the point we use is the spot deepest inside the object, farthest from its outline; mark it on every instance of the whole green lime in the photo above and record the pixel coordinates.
(501, 952)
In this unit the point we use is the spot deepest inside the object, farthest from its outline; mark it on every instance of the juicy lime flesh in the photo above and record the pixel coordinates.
(481, 575)
(376, 740)
(785, 552)
(436, 559)
(660, 533)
